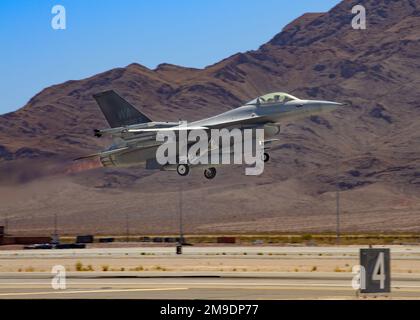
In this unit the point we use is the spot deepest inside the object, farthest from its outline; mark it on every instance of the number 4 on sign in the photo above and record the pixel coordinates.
(379, 270)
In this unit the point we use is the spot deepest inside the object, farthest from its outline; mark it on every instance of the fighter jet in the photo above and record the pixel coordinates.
(134, 133)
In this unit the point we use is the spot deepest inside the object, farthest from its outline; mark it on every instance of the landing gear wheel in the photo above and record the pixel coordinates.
(266, 157)
(183, 169)
(210, 173)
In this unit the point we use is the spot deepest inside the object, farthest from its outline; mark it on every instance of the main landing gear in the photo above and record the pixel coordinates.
(184, 169)
(210, 173)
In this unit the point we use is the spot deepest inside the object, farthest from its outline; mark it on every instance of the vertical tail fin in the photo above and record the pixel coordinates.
(117, 111)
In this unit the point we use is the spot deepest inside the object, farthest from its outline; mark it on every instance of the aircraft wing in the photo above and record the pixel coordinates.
(210, 124)
(217, 124)
(168, 129)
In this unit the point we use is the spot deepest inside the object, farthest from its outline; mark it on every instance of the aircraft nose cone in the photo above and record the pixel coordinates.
(329, 105)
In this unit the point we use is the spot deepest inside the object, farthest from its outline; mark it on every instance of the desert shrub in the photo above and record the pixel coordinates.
(307, 237)
(79, 266)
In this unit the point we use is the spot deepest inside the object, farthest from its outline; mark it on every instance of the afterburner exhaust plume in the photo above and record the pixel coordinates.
(84, 165)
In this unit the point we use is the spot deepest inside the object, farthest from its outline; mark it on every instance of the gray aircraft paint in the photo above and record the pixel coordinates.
(133, 146)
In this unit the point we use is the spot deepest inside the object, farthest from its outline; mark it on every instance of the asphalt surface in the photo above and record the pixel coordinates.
(200, 285)
(180, 286)
(399, 252)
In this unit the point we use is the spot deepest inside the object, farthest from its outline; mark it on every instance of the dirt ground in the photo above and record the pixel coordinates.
(203, 263)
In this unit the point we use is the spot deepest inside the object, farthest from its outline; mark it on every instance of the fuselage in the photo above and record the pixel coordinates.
(267, 112)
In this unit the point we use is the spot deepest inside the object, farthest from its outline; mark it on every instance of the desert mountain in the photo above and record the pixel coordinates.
(370, 150)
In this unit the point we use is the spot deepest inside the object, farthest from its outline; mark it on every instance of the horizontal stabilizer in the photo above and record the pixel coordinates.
(101, 154)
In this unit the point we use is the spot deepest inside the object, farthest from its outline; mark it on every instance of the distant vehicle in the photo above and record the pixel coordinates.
(134, 133)
(39, 246)
(70, 246)
(145, 239)
(56, 246)
(85, 239)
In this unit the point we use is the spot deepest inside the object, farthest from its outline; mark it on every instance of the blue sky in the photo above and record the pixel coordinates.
(101, 35)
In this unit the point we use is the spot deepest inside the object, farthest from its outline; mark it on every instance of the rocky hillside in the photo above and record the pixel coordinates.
(318, 56)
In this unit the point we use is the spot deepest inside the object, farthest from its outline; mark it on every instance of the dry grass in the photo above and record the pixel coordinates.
(304, 239)
(138, 268)
(80, 267)
(338, 269)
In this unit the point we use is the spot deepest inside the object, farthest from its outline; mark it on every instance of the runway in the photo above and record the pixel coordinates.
(176, 286)
(226, 273)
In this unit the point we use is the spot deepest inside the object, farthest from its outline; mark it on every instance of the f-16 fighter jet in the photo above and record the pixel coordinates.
(135, 134)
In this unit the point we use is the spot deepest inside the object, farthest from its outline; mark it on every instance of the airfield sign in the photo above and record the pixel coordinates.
(376, 264)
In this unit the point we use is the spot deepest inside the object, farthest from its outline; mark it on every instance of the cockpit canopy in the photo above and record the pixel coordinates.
(273, 98)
